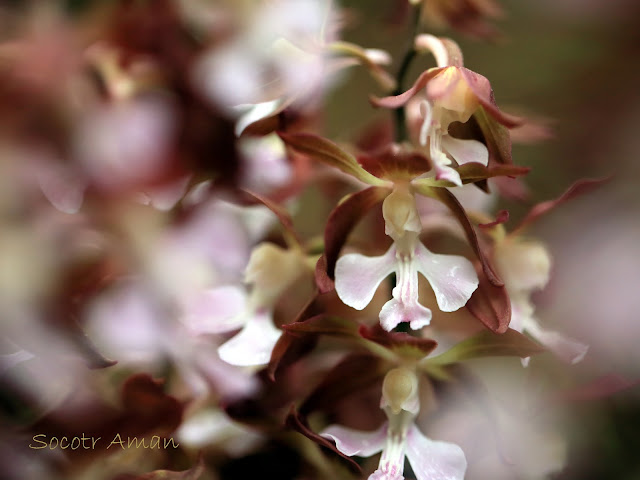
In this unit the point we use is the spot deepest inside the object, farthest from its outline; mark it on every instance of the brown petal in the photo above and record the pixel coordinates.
(400, 100)
(250, 198)
(501, 217)
(393, 163)
(446, 197)
(341, 221)
(580, 187)
(325, 151)
(490, 304)
(297, 422)
(405, 345)
(481, 88)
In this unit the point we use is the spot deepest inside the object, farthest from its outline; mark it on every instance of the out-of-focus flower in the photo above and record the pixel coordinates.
(281, 56)
(467, 16)
(399, 437)
(516, 433)
(525, 266)
(126, 144)
(273, 61)
(264, 163)
(270, 271)
(211, 427)
(452, 277)
(136, 330)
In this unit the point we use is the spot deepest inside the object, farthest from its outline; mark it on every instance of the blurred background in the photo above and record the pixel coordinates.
(570, 65)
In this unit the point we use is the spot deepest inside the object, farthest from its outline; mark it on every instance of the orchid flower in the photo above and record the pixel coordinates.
(395, 174)
(452, 277)
(399, 437)
(525, 267)
(286, 55)
(271, 270)
(454, 94)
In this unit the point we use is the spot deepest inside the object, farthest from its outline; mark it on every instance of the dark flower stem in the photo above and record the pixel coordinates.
(400, 123)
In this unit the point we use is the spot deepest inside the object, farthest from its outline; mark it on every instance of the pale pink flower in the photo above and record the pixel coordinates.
(399, 437)
(452, 277)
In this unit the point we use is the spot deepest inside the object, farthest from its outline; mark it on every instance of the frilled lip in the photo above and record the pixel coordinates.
(358, 277)
(429, 459)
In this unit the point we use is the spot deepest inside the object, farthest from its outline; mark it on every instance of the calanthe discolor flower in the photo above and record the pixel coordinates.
(399, 437)
(452, 277)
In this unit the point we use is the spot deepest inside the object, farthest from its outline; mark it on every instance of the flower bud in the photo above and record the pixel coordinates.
(400, 391)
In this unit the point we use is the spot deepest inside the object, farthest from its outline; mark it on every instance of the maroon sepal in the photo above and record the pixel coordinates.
(475, 172)
(297, 422)
(580, 187)
(289, 348)
(323, 325)
(490, 304)
(400, 100)
(393, 163)
(399, 342)
(481, 88)
(501, 217)
(599, 388)
(247, 197)
(446, 197)
(354, 373)
(341, 221)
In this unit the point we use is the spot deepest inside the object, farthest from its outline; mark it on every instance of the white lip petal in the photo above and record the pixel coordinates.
(433, 460)
(217, 310)
(448, 173)
(452, 277)
(358, 276)
(254, 344)
(568, 349)
(465, 151)
(354, 442)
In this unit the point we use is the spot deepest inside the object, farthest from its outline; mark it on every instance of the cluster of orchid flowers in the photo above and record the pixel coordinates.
(208, 289)
(436, 162)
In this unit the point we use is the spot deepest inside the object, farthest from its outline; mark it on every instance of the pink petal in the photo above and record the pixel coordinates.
(380, 475)
(452, 277)
(217, 310)
(62, 187)
(465, 151)
(432, 460)
(254, 344)
(448, 174)
(568, 349)
(354, 442)
(259, 111)
(10, 360)
(481, 88)
(400, 100)
(165, 197)
(358, 276)
(443, 83)
(394, 312)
